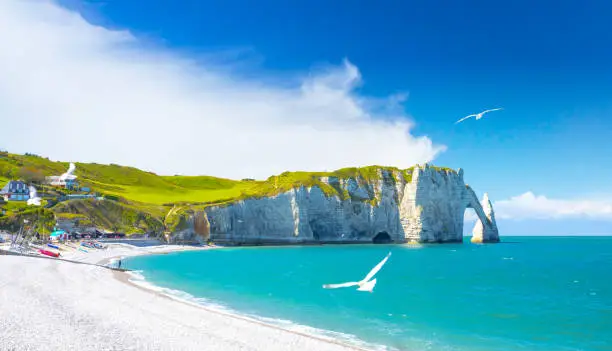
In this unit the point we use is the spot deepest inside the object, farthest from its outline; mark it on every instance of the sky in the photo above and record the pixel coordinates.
(234, 90)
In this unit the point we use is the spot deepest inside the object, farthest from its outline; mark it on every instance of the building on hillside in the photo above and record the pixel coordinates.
(66, 180)
(62, 183)
(58, 235)
(15, 190)
(66, 224)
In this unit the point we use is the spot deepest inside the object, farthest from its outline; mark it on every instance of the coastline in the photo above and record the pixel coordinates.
(120, 313)
(121, 250)
(129, 277)
(133, 278)
(126, 278)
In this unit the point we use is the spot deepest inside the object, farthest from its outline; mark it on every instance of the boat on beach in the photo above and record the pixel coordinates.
(87, 244)
(92, 245)
(48, 253)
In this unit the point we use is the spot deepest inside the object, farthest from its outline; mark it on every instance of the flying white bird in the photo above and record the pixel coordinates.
(364, 285)
(477, 115)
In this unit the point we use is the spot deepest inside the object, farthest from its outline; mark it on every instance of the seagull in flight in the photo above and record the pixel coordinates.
(366, 284)
(477, 115)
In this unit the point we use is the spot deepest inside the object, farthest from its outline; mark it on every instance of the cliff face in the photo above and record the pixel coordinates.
(426, 205)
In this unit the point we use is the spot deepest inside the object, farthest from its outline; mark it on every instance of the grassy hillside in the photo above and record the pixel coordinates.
(145, 200)
(12, 164)
(126, 182)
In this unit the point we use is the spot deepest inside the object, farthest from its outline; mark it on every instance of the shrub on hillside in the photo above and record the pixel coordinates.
(111, 197)
(31, 175)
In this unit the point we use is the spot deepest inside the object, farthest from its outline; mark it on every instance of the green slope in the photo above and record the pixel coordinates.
(127, 182)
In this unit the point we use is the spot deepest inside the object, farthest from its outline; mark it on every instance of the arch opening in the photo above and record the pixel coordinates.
(470, 220)
(483, 221)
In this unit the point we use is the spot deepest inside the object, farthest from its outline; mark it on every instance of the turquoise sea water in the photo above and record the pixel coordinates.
(528, 293)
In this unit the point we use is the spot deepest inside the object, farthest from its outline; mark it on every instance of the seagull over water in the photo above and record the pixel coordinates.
(365, 284)
(477, 115)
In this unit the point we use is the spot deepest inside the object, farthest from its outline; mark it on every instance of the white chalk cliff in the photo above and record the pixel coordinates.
(425, 205)
(486, 233)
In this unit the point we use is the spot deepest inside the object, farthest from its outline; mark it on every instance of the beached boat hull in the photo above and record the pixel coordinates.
(49, 253)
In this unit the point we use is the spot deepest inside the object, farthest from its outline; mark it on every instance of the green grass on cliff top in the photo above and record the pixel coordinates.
(127, 182)
(290, 180)
(149, 188)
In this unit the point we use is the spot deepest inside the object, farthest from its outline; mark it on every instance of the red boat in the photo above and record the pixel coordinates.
(49, 253)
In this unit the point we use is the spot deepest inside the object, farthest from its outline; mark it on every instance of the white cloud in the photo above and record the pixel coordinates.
(531, 206)
(88, 93)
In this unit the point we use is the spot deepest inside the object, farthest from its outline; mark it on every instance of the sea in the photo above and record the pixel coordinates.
(525, 293)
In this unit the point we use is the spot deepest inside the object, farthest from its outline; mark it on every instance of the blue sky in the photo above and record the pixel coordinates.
(548, 64)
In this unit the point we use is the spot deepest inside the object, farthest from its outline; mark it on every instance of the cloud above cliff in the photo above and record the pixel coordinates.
(75, 91)
(529, 206)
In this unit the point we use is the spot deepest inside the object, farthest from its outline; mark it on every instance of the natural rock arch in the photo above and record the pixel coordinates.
(433, 206)
(485, 230)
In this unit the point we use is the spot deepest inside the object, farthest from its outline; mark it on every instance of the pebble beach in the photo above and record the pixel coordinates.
(51, 304)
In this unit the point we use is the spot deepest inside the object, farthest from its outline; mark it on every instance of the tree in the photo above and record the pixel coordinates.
(31, 175)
